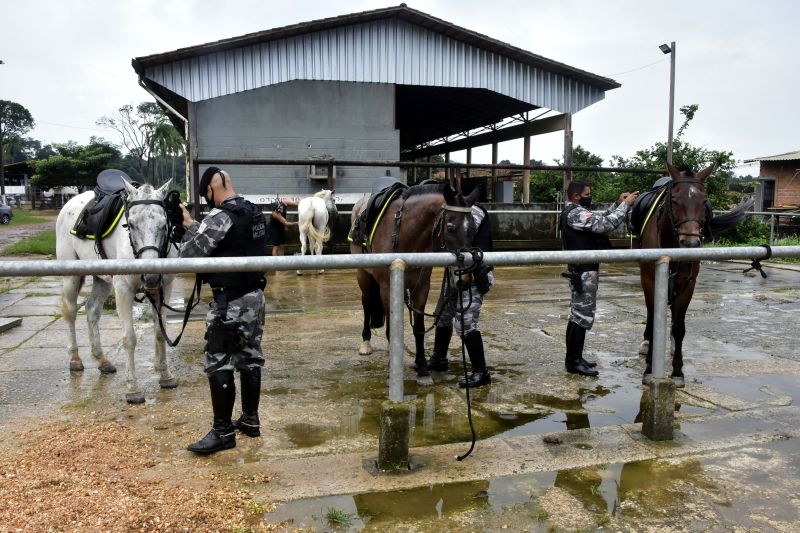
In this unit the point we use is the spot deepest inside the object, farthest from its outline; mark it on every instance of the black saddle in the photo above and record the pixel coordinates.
(644, 205)
(101, 215)
(384, 190)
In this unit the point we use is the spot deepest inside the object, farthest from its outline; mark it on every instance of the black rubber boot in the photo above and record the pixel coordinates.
(441, 342)
(222, 435)
(250, 384)
(480, 374)
(574, 361)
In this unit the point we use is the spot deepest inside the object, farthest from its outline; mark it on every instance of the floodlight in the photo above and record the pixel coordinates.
(665, 48)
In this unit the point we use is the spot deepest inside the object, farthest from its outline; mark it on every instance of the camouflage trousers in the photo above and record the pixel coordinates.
(583, 304)
(451, 300)
(242, 323)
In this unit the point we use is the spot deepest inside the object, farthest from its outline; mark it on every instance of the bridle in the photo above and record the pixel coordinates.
(162, 249)
(677, 225)
(437, 232)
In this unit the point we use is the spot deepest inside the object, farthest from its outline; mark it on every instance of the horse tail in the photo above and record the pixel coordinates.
(314, 233)
(375, 305)
(307, 224)
(725, 221)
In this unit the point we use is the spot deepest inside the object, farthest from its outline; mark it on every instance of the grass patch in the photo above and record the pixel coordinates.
(338, 518)
(43, 243)
(22, 217)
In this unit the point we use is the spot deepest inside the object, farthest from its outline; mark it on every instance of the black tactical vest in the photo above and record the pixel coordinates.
(573, 239)
(247, 237)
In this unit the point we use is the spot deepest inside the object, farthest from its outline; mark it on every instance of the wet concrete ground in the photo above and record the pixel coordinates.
(733, 463)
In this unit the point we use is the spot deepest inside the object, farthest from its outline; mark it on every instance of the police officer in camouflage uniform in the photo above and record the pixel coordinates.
(584, 229)
(235, 319)
(467, 293)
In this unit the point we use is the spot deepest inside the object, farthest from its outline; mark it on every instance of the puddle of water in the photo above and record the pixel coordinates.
(761, 388)
(618, 490)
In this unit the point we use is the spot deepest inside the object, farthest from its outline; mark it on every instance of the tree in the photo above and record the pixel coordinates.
(75, 165)
(15, 121)
(136, 126)
(547, 184)
(166, 143)
(684, 154)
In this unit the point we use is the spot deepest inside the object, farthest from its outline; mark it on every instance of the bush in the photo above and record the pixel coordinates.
(752, 232)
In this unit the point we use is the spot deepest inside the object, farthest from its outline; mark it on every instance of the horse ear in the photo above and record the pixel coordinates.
(162, 191)
(130, 189)
(472, 197)
(449, 195)
(706, 172)
(673, 172)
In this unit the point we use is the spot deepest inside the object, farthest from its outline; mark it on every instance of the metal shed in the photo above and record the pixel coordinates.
(387, 84)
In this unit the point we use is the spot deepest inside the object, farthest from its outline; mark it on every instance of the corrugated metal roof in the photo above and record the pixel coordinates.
(396, 45)
(788, 156)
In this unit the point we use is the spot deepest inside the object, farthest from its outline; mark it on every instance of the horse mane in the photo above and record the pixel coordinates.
(323, 193)
(425, 188)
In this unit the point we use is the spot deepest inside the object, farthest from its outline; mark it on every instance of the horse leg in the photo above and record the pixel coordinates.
(318, 251)
(303, 247)
(94, 310)
(166, 379)
(124, 296)
(420, 298)
(69, 310)
(364, 283)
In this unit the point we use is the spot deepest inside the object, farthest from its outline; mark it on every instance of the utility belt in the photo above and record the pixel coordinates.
(223, 295)
(574, 272)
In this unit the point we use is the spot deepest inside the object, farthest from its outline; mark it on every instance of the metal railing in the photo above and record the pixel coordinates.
(398, 262)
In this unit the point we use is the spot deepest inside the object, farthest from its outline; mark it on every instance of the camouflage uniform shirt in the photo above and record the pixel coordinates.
(245, 312)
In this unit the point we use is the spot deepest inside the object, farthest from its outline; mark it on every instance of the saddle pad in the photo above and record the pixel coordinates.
(99, 217)
(643, 209)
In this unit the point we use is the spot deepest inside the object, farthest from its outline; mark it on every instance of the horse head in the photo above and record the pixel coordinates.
(687, 205)
(458, 226)
(146, 223)
(327, 196)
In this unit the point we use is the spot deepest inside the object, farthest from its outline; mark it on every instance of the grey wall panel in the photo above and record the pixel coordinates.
(299, 120)
(381, 51)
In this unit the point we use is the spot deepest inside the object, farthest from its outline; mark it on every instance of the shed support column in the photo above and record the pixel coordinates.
(567, 150)
(469, 162)
(659, 412)
(494, 171)
(526, 174)
(428, 170)
(395, 413)
(448, 173)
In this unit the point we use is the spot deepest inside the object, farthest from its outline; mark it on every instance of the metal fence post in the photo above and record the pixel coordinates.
(660, 406)
(396, 289)
(771, 230)
(395, 413)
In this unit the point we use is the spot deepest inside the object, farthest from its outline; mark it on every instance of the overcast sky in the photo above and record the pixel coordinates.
(69, 62)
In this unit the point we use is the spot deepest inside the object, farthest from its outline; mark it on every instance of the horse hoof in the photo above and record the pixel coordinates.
(170, 383)
(107, 368)
(134, 397)
(679, 382)
(644, 347)
(425, 381)
(647, 379)
(76, 366)
(365, 348)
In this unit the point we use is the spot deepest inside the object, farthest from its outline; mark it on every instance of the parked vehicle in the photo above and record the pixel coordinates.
(6, 214)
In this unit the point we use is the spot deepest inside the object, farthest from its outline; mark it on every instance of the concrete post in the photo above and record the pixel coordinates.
(660, 414)
(526, 174)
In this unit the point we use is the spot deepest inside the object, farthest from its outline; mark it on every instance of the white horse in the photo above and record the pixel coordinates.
(312, 215)
(140, 233)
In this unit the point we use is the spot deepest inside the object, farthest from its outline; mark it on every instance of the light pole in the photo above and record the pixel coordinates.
(670, 49)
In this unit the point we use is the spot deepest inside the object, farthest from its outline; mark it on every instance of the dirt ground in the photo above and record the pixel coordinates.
(77, 457)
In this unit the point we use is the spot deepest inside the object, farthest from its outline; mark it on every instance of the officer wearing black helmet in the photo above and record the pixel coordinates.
(235, 321)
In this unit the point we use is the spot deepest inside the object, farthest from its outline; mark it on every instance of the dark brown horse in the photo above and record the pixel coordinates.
(680, 219)
(432, 218)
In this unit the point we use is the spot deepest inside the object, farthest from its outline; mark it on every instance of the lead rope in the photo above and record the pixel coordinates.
(756, 263)
(477, 259)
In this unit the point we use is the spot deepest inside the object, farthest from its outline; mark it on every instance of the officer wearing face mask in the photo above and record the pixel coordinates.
(235, 321)
(584, 229)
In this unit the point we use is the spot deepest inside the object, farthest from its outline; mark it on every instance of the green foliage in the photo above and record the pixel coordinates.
(751, 230)
(15, 120)
(42, 244)
(337, 517)
(75, 164)
(546, 185)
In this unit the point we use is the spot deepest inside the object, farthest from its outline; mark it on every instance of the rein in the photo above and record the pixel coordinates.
(157, 302)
